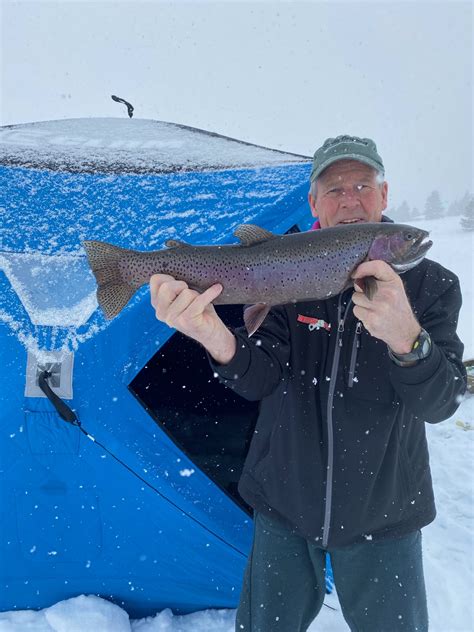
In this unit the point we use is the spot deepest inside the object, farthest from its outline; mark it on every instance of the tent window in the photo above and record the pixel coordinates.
(208, 421)
(54, 290)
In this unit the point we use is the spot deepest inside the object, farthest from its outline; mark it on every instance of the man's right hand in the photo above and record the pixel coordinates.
(192, 314)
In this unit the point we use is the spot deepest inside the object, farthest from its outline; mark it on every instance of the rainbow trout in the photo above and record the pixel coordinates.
(264, 269)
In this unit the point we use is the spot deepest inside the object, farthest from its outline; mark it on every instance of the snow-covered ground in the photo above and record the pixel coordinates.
(448, 542)
(453, 247)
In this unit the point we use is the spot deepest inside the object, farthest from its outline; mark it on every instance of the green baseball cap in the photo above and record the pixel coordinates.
(346, 148)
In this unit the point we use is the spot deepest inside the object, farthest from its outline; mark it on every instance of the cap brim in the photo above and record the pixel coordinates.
(333, 159)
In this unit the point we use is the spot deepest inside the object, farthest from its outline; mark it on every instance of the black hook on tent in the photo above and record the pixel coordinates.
(129, 105)
(62, 408)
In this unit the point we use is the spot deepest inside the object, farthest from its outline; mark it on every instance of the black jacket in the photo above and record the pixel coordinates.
(339, 451)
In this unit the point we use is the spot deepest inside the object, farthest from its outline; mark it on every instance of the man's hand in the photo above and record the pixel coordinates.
(192, 314)
(388, 316)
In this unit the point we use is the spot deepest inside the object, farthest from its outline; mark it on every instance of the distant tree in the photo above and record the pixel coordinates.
(458, 206)
(415, 213)
(433, 206)
(464, 202)
(399, 213)
(403, 211)
(467, 220)
(453, 209)
(392, 213)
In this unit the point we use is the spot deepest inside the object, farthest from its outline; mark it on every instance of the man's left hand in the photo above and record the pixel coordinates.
(388, 316)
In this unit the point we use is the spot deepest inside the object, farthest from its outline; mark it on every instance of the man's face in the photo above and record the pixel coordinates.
(347, 192)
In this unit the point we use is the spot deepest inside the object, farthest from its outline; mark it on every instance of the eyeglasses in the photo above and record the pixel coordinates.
(357, 190)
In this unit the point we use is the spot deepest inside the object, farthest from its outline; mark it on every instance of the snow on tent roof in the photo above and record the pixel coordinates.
(129, 145)
(134, 183)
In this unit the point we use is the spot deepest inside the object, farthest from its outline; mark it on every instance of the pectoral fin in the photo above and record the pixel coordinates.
(254, 316)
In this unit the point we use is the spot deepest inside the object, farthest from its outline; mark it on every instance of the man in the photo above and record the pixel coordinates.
(339, 459)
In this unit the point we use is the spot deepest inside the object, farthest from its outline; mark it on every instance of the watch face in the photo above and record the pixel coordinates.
(424, 346)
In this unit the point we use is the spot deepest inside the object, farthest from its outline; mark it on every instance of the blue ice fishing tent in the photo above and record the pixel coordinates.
(141, 505)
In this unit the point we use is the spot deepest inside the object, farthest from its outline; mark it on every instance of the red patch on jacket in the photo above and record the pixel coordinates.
(314, 323)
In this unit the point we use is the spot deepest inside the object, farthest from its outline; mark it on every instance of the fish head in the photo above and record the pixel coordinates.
(400, 245)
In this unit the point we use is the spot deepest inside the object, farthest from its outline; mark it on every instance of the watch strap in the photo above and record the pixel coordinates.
(421, 349)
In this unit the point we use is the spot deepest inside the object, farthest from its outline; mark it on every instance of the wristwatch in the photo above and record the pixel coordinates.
(421, 349)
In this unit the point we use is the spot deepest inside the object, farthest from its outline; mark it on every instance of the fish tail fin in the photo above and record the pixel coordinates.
(113, 293)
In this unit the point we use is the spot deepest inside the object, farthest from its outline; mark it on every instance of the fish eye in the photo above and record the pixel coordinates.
(409, 236)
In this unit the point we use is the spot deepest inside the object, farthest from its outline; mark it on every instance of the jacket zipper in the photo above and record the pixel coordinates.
(355, 349)
(332, 386)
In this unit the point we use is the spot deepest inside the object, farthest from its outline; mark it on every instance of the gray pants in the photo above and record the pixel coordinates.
(380, 584)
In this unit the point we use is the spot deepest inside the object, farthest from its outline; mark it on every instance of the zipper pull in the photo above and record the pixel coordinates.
(358, 332)
(355, 347)
(340, 330)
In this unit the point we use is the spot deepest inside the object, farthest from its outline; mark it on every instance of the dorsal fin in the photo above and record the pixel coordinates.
(176, 243)
(250, 234)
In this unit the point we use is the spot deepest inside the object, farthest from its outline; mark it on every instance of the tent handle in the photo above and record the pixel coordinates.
(62, 408)
(129, 105)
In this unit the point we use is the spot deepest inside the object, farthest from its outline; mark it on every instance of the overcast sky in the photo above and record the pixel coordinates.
(285, 75)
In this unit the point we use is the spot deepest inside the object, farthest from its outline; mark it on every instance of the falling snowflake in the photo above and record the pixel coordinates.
(186, 472)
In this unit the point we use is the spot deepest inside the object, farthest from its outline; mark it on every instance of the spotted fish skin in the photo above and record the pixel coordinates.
(263, 268)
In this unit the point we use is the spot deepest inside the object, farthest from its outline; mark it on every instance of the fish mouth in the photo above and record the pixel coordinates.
(416, 253)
